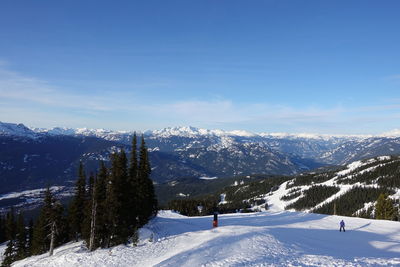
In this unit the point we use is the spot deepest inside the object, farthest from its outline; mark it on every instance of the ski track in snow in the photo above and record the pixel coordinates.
(257, 239)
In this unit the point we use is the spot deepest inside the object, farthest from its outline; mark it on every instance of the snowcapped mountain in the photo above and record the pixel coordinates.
(12, 129)
(30, 157)
(196, 132)
(325, 149)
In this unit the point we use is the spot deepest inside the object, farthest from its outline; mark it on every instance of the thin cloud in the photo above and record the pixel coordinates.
(393, 77)
(25, 98)
(15, 86)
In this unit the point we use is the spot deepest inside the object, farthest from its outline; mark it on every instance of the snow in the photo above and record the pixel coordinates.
(312, 136)
(31, 193)
(357, 164)
(274, 198)
(196, 132)
(208, 178)
(240, 133)
(12, 129)
(275, 238)
(3, 247)
(222, 199)
(392, 133)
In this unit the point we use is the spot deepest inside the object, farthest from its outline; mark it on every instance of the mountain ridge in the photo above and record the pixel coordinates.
(183, 131)
(176, 152)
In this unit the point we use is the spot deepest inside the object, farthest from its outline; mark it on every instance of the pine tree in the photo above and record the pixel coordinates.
(116, 201)
(10, 225)
(133, 184)
(146, 202)
(21, 235)
(384, 208)
(88, 209)
(41, 229)
(133, 164)
(10, 254)
(77, 207)
(93, 217)
(100, 191)
(2, 230)
(50, 228)
(29, 238)
(59, 232)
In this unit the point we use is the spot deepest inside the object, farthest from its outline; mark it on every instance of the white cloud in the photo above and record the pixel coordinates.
(24, 98)
(393, 77)
(14, 86)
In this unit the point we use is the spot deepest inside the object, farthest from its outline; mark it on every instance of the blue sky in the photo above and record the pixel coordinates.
(262, 66)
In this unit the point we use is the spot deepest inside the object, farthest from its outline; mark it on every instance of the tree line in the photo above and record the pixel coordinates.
(354, 200)
(313, 196)
(107, 209)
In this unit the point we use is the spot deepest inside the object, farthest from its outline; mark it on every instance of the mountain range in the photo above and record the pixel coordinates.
(34, 157)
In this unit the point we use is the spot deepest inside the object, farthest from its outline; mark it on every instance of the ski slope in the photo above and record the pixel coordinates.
(257, 239)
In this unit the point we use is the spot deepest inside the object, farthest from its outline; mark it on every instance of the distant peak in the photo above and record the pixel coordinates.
(392, 133)
(190, 131)
(312, 136)
(15, 130)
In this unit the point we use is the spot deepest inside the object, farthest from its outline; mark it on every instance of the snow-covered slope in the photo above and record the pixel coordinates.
(12, 129)
(259, 239)
(344, 180)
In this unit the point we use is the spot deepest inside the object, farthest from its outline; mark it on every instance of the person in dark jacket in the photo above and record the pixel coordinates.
(342, 226)
(215, 221)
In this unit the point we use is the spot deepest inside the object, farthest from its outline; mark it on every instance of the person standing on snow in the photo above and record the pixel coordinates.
(342, 226)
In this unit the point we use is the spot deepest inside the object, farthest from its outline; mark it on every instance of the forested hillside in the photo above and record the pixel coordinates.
(362, 188)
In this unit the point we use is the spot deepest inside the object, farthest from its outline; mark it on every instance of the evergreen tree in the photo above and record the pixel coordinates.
(2, 230)
(29, 238)
(77, 207)
(50, 228)
(40, 240)
(100, 191)
(58, 233)
(10, 225)
(146, 201)
(133, 184)
(21, 242)
(88, 209)
(384, 208)
(133, 166)
(116, 201)
(10, 254)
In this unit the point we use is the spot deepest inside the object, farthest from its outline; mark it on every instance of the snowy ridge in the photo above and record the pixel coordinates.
(313, 136)
(100, 133)
(31, 193)
(185, 131)
(33, 198)
(12, 129)
(196, 132)
(358, 167)
(255, 239)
